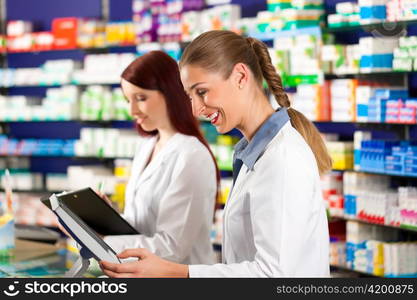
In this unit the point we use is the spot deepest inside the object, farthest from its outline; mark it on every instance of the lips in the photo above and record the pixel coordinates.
(214, 117)
(140, 120)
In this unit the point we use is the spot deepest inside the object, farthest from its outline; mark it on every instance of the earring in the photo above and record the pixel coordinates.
(240, 86)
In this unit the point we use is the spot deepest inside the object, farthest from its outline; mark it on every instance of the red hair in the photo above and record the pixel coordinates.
(156, 70)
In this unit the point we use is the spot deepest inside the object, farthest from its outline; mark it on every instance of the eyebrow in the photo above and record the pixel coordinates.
(194, 85)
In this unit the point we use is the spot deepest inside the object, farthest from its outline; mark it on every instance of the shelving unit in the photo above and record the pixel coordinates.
(369, 27)
(402, 227)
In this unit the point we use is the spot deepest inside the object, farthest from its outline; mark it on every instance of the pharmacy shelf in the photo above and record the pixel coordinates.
(32, 191)
(59, 85)
(345, 268)
(370, 27)
(63, 156)
(329, 76)
(72, 120)
(222, 167)
(377, 173)
(89, 49)
(365, 123)
(269, 36)
(401, 227)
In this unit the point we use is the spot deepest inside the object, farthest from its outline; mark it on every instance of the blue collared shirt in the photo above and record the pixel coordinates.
(249, 152)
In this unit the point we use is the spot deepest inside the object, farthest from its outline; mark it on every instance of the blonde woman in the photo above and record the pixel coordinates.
(275, 223)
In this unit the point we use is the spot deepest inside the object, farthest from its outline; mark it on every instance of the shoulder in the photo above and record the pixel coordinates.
(191, 156)
(190, 146)
(289, 150)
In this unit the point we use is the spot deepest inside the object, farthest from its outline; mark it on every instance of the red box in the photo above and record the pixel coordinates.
(43, 41)
(65, 32)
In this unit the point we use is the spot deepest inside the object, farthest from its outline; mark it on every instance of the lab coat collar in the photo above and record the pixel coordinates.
(159, 159)
(249, 152)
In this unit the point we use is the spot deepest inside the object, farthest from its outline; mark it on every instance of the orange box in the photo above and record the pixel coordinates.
(65, 32)
(324, 103)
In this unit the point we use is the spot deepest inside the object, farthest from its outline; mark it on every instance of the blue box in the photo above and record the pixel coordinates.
(373, 12)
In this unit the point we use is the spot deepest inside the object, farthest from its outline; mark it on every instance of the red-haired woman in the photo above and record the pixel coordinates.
(171, 194)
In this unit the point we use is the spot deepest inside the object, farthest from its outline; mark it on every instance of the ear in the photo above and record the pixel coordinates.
(240, 75)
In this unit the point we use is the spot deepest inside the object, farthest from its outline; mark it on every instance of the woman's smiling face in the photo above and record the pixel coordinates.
(212, 97)
(148, 107)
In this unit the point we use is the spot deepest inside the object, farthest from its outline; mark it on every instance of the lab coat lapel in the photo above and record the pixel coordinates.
(241, 178)
(141, 159)
(158, 161)
(227, 250)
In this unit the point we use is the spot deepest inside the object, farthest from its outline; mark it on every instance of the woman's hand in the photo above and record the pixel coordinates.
(64, 230)
(147, 265)
(105, 198)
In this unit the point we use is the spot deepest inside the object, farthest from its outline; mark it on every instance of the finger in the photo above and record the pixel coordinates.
(117, 275)
(128, 267)
(139, 252)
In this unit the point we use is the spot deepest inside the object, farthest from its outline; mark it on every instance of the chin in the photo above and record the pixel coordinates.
(223, 129)
(148, 128)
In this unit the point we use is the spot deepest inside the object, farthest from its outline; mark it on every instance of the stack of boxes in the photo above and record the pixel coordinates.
(297, 59)
(103, 142)
(332, 187)
(377, 105)
(406, 215)
(341, 154)
(313, 101)
(364, 248)
(377, 54)
(372, 11)
(389, 157)
(370, 198)
(359, 185)
(358, 137)
(384, 105)
(405, 54)
(68, 33)
(65, 33)
(30, 211)
(347, 14)
(102, 68)
(398, 10)
(297, 14)
(337, 233)
(36, 147)
(379, 251)
(343, 100)
(341, 59)
(122, 172)
(102, 103)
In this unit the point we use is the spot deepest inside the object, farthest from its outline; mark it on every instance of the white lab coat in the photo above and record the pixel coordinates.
(275, 222)
(171, 201)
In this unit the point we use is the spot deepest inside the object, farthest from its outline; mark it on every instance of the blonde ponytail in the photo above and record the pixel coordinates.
(304, 126)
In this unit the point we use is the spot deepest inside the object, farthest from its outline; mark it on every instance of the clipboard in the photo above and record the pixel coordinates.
(95, 212)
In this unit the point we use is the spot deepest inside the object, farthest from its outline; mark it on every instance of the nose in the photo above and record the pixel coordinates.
(134, 109)
(198, 107)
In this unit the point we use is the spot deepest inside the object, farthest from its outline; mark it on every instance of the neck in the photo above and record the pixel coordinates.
(164, 134)
(257, 112)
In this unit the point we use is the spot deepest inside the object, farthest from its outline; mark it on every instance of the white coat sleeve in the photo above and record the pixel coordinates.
(279, 213)
(186, 204)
